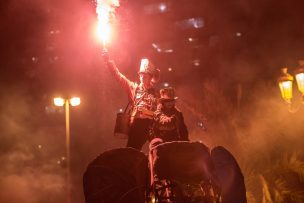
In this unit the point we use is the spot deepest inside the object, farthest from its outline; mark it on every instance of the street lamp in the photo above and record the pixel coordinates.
(74, 101)
(300, 76)
(286, 83)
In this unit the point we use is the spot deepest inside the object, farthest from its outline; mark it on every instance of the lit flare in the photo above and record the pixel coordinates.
(105, 10)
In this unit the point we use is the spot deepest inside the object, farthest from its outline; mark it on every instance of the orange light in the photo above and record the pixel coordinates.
(300, 82)
(286, 90)
(58, 101)
(299, 72)
(285, 84)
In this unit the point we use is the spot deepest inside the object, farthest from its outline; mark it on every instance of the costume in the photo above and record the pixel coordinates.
(143, 101)
(173, 130)
(168, 126)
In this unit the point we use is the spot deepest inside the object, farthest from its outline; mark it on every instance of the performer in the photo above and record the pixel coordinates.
(143, 98)
(168, 124)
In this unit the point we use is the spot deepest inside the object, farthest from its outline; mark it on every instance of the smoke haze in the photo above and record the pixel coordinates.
(231, 99)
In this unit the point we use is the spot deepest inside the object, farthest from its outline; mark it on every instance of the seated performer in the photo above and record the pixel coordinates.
(143, 98)
(168, 124)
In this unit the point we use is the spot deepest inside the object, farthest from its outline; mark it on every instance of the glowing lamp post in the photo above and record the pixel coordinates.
(300, 76)
(286, 83)
(75, 101)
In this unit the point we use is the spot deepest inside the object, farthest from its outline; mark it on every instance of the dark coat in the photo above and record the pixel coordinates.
(175, 130)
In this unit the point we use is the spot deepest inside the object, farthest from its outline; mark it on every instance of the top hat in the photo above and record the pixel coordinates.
(167, 94)
(147, 67)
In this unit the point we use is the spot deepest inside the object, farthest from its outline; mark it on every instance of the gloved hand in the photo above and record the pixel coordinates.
(105, 56)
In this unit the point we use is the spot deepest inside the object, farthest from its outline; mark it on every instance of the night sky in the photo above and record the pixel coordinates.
(224, 67)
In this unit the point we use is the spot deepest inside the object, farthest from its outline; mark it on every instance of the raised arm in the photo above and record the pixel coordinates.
(128, 85)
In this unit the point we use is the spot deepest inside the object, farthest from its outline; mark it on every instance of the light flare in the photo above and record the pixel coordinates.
(75, 101)
(105, 10)
(58, 101)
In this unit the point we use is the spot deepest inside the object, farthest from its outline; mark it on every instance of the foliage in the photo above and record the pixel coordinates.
(264, 137)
